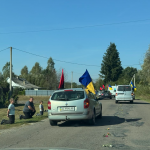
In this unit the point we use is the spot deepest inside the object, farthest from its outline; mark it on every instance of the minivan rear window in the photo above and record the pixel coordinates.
(68, 95)
(124, 88)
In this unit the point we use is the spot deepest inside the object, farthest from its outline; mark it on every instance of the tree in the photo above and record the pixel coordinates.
(24, 72)
(50, 64)
(111, 67)
(36, 70)
(98, 83)
(50, 76)
(146, 67)
(6, 71)
(128, 73)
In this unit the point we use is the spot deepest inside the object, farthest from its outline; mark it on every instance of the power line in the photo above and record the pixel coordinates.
(65, 61)
(79, 27)
(56, 59)
(4, 49)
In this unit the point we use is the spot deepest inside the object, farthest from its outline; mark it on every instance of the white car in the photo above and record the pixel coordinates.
(73, 104)
(124, 93)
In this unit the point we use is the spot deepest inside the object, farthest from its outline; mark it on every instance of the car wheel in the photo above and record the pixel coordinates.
(53, 123)
(110, 97)
(131, 101)
(92, 120)
(100, 115)
(116, 101)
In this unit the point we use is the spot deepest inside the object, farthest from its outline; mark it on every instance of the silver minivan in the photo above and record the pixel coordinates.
(73, 104)
(124, 93)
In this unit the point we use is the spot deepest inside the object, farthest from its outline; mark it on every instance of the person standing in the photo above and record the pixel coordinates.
(29, 109)
(41, 108)
(10, 113)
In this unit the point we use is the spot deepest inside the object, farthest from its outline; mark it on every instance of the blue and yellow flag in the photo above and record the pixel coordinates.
(110, 88)
(86, 80)
(133, 87)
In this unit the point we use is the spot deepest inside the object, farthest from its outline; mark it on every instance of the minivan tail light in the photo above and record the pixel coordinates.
(49, 105)
(86, 103)
(116, 94)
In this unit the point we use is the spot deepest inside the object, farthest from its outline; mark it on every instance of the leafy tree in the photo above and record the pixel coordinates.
(50, 76)
(50, 64)
(111, 67)
(6, 71)
(146, 67)
(98, 83)
(128, 73)
(24, 72)
(36, 70)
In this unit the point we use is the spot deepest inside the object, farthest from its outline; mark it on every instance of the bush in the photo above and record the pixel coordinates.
(21, 92)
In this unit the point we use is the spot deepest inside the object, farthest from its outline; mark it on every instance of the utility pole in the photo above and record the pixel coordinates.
(71, 79)
(134, 79)
(10, 72)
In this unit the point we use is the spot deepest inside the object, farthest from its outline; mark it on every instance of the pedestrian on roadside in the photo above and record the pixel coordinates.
(41, 108)
(29, 109)
(10, 113)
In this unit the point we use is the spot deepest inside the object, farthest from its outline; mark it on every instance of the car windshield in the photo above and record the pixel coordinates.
(68, 95)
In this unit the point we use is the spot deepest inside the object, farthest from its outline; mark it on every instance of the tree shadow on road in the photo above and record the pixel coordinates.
(104, 121)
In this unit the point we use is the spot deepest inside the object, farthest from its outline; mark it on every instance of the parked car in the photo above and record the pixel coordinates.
(99, 94)
(124, 93)
(106, 94)
(73, 104)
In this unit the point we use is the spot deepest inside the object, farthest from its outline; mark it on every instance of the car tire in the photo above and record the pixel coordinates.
(100, 115)
(110, 97)
(53, 123)
(131, 101)
(116, 102)
(92, 120)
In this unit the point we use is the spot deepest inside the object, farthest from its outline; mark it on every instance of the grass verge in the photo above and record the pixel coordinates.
(144, 98)
(19, 111)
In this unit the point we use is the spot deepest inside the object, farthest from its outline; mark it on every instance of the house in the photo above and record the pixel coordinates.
(22, 83)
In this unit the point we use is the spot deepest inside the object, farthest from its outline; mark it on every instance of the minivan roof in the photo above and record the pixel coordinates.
(123, 85)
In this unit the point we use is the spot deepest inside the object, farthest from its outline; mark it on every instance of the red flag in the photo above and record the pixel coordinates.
(100, 88)
(103, 86)
(61, 84)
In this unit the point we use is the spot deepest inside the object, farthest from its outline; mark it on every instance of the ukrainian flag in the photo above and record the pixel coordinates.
(110, 88)
(133, 87)
(86, 80)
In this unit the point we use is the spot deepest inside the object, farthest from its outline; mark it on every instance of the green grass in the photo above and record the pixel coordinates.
(144, 98)
(19, 111)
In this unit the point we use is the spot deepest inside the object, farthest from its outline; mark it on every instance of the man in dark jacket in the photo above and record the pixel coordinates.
(29, 109)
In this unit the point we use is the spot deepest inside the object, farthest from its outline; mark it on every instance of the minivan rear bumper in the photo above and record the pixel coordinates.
(64, 117)
(124, 99)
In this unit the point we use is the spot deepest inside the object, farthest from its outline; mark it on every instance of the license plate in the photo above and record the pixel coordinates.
(67, 109)
(106, 94)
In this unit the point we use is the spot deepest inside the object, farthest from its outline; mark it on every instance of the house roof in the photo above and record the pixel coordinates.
(23, 82)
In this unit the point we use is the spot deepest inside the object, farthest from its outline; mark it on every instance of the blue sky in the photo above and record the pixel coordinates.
(79, 45)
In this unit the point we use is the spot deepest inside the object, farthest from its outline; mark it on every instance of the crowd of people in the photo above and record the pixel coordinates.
(28, 110)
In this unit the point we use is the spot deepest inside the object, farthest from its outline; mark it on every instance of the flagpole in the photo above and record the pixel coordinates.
(134, 79)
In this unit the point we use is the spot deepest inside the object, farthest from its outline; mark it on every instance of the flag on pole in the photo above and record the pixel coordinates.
(101, 88)
(110, 87)
(61, 84)
(133, 87)
(86, 80)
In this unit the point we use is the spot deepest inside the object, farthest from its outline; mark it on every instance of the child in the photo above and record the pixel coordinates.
(10, 113)
(41, 108)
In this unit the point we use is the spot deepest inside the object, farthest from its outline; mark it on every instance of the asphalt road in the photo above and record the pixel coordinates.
(129, 128)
